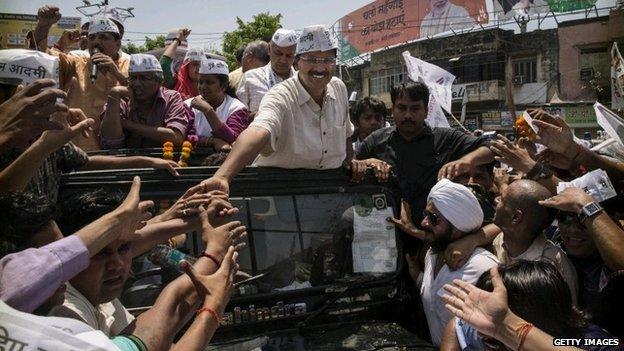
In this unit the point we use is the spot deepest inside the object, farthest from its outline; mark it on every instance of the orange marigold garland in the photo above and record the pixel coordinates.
(168, 150)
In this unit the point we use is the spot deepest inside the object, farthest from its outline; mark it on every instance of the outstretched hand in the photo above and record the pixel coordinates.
(216, 288)
(482, 309)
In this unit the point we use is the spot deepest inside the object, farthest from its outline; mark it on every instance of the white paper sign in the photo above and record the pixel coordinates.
(27, 332)
(529, 120)
(28, 65)
(610, 122)
(374, 243)
(596, 183)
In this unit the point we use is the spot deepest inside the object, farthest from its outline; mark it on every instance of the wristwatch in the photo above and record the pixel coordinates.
(589, 210)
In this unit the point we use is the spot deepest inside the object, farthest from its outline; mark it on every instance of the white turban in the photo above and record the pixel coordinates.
(457, 204)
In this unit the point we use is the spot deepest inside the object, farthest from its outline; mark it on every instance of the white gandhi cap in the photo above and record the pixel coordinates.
(315, 38)
(102, 24)
(144, 63)
(284, 38)
(212, 66)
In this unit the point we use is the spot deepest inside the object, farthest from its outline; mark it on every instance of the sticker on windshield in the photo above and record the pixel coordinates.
(374, 245)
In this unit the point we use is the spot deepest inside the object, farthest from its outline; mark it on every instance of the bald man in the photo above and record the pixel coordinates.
(522, 221)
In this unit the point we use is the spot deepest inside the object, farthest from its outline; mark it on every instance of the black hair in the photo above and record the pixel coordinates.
(22, 215)
(224, 80)
(239, 54)
(370, 103)
(414, 90)
(80, 209)
(537, 293)
(215, 159)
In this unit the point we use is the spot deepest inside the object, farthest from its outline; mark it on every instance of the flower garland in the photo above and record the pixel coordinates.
(185, 154)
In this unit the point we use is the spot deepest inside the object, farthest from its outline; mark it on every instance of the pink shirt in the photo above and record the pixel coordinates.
(28, 278)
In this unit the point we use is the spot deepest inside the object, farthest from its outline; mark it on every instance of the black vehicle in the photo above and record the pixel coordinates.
(333, 277)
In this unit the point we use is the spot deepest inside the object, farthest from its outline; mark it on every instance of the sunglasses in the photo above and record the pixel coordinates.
(431, 217)
(564, 217)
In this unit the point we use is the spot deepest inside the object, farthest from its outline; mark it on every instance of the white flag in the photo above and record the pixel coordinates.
(617, 79)
(610, 122)
(439, 83)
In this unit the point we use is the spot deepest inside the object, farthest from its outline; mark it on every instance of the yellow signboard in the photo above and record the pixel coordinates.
(15, 27)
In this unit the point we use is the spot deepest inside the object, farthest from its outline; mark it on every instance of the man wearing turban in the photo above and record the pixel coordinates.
(452, 212)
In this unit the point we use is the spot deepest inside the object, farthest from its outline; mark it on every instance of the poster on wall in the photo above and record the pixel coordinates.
(15, 27)
(388, 22)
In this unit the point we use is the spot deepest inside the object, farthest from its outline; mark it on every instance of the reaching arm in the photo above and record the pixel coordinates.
(158, 233)
(46, 17)
(121, 162)
(159, 134)
(111, 127)
(480, 156)
(609, 239)
(449, 338)
(607, 235)
(245, 150)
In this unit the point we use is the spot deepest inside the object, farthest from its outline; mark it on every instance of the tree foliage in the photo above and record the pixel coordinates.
(150, 44)
(261, 27)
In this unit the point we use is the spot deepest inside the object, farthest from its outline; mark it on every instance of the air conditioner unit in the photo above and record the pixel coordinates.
(586, 74)
(518, 80)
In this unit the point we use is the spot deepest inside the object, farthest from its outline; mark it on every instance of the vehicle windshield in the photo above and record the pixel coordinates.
(303, 241)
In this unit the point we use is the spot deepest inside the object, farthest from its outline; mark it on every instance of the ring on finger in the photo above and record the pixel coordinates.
(184, 212)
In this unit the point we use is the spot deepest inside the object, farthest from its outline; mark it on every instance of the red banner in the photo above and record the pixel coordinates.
(388, 22)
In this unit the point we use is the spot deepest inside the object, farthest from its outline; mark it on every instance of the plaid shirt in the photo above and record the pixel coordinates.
(48, 177)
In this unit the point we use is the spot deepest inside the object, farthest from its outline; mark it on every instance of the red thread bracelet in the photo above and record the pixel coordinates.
(212, 258)
(523, 332)
(212, 313)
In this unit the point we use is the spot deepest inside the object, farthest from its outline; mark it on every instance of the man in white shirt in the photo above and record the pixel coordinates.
(443, 16)
(302, 122)
(452, 212)
(257, 82)
(522, 221)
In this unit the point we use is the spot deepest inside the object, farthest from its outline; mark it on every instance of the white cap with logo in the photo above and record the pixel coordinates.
(285, 38)
(212, 66)
(315, 38)
(194, 54)
(144, 63)
(102, 24)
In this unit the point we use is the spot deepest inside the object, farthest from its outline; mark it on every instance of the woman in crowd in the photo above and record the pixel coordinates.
(526, 303)
(219, 116)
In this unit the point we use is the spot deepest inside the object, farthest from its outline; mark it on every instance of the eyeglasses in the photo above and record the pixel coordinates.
(316, 60)
(431, 217)
(146, 78)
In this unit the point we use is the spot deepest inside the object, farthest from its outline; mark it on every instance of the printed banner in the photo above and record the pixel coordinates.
(388, 22)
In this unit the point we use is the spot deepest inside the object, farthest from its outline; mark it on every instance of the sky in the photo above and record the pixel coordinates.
(208, 16)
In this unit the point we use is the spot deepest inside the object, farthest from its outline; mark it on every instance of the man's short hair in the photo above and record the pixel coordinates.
(22, 215)
(414, 90)
(239, 53)
(370, 103)
(258, 49)
(80, 209)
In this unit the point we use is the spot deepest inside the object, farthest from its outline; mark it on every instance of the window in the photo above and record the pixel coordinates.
(385, 79)
(527, 69)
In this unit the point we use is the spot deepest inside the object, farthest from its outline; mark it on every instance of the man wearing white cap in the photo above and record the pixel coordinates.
(153, 114)
(302, 122)
(104, 42)
(257, 82)
(452, 212)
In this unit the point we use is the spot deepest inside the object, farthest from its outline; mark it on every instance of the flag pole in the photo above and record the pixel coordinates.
(460, 124)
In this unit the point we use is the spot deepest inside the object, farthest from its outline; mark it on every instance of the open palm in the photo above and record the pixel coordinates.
(483, 310)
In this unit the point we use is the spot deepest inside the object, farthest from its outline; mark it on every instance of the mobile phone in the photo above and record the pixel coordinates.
(248, 280)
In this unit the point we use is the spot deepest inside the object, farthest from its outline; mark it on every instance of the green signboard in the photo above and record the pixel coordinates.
(569, 5)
